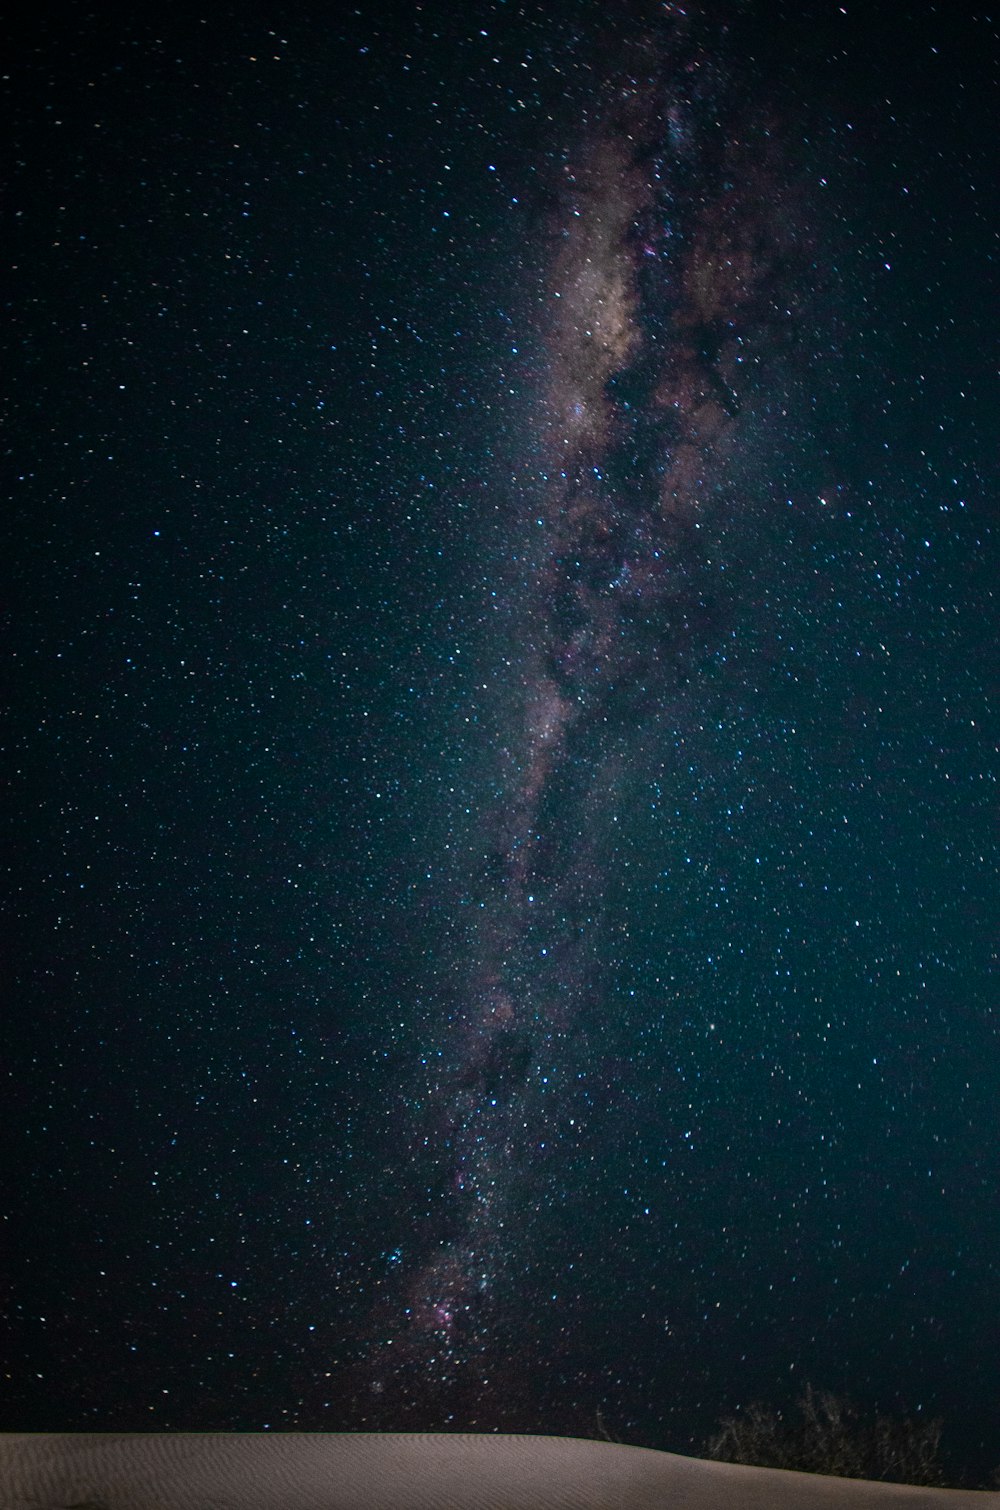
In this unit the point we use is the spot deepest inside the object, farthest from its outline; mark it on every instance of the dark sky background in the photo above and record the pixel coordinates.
(281, 397)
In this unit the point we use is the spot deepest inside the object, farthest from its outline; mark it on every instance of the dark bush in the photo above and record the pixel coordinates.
(828, 1435)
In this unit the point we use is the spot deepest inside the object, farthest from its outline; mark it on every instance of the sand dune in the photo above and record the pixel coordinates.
(397, 1471)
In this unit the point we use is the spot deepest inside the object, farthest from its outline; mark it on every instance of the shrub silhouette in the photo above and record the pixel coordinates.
(829, 1436)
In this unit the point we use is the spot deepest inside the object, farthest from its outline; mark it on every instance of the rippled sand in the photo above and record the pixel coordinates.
(299, 1471)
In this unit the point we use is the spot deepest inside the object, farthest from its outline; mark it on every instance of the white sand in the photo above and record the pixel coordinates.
(398, 1471)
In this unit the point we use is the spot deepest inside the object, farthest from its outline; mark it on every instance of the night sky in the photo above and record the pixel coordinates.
(503, 871)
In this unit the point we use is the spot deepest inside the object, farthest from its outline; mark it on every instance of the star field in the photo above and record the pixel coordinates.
(503, 597)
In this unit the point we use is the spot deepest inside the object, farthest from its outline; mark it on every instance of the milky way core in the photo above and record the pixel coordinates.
(667, 302)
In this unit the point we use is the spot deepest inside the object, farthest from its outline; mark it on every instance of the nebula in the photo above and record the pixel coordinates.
(668, 292)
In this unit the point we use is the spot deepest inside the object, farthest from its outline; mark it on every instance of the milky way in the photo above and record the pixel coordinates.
(668, 297)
